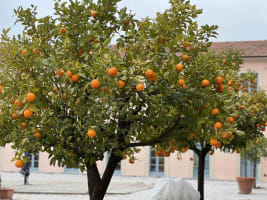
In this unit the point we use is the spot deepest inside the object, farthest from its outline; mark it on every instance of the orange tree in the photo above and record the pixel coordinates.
(66, 91)
(252, 117)
(207, 96)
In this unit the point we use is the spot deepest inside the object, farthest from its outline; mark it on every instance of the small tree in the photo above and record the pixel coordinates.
(255, 150)
(66, 91)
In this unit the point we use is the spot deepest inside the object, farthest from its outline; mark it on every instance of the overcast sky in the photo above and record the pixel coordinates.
(238, 20)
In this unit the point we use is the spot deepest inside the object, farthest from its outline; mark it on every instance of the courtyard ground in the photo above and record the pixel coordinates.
(74, 186)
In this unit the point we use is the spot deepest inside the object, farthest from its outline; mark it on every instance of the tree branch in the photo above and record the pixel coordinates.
(157, 139)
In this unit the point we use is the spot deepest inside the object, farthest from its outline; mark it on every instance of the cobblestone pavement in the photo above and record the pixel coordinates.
(74, 187)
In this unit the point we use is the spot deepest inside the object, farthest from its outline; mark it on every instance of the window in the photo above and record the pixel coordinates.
(34, 161)
(156, 164)
(207, 166)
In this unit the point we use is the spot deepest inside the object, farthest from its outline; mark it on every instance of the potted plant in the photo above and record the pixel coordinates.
(251, 120)
(255, 150)
(5, 193)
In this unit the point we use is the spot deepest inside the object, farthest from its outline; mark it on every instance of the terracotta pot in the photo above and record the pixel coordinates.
(245, 184)
(6, 193)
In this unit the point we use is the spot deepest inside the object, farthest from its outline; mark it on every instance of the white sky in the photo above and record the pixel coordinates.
(238, 20)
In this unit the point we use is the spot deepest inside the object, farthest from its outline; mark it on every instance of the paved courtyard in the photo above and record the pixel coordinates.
(74, 186)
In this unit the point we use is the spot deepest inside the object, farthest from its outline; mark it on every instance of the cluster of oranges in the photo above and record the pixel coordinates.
(215, 143)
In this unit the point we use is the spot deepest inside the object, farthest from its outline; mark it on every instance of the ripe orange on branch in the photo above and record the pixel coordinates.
(181, 82)
(186, 57)
(95, 84)
(94, 14)
(230, 119)
(19, 163)
(219, 80)
(215, 111)
(24, 52)
(140, 87)
(149, 73)
(205, 83)
(37, 135)
(121, 84)
(218, 125)
(112, 71)
(19, 103)
(63, 30)
(179, 67)
(75, 78)
(30, 97)
(27, 113)
(91, 133)
(69, 74)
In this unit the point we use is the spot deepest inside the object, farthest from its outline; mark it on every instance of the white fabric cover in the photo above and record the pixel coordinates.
(174, 189)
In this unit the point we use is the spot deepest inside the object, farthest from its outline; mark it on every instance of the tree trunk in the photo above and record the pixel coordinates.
(246, 162)
(201, 171)
(254, 173)
(97, 187)
(94, 182)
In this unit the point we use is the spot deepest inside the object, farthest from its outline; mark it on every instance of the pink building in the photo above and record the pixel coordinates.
(147, 164)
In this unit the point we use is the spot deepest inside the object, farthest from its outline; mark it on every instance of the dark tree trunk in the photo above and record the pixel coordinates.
(246, 162)
(97, 187)
(254, 173)
(201, 172)
(201, 167)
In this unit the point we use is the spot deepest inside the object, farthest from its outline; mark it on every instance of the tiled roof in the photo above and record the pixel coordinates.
(249, 48)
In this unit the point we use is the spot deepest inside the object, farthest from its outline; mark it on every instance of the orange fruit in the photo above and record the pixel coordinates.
(218, 145)
(186, 57)
(24, 52)
(258, 125)
(153, 78)
(37, 135)
(140, 87)
(230, 82)
(19, 163)
(224, 134)
(233, 64)
(35, 51)
(192, 135)
(75, 78)
(91, 133)
(94, 14)
(218, 125)
(236, 115)
(69, 74)
(63, 30)
(30, 97)
(159, 153)
(213, 142)
(167, 154)
(179, 67)
(62, 72)
(149, 73)
(0, 89)
(19, 103)
(58, 72)
(121, 84)
(243, 107)
(181, 82)
(14, 115)
(230, 88)
(231, 119)
(131, 161)
(265, 123)
(224, 61)
(205, 83)
(186, 44)
(219, 80)
(23, 125)
(95, 84)
(184, 149)
(112, 71)
(27, 113)
(229, 135)
(215, 111)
